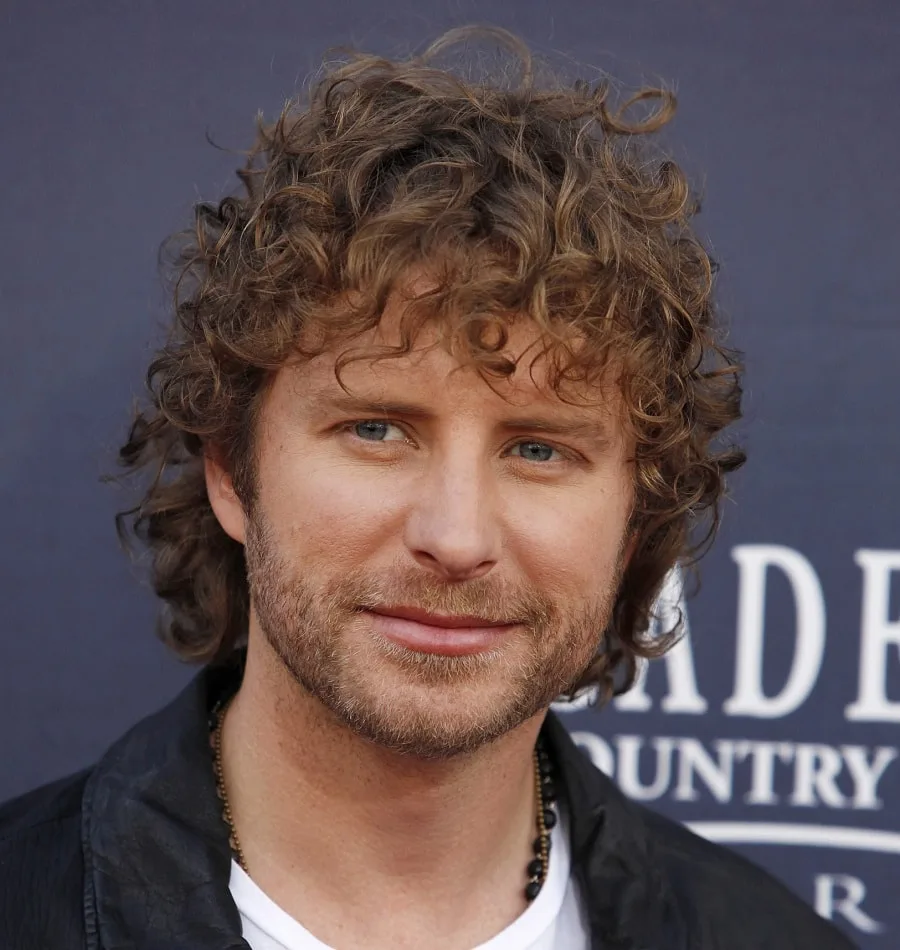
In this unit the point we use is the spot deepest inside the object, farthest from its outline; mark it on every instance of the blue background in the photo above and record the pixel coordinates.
(788, 120)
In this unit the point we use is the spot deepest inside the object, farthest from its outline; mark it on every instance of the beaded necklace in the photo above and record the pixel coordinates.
(544, 788)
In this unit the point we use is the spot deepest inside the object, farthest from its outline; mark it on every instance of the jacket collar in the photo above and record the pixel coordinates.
(158, 860)
(157, 857)
(628, 900)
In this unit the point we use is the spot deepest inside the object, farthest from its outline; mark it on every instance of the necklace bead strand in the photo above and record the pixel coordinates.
(544, 793)
(236, 849)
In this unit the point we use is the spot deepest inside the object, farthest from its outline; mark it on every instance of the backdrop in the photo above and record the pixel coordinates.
(774, 728)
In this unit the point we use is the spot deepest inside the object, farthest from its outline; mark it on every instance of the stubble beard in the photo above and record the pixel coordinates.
(451, 704)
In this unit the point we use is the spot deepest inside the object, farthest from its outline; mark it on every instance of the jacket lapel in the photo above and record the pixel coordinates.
(622, 881)
(157, 858)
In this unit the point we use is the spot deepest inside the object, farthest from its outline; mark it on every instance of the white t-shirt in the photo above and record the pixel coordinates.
(552, 921)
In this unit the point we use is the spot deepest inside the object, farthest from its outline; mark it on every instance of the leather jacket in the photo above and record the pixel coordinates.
(132, 854)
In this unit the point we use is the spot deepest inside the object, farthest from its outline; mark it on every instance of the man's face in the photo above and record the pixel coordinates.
(426, 494)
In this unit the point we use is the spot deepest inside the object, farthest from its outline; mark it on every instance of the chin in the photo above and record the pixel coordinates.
(425, 705)
(435, 722)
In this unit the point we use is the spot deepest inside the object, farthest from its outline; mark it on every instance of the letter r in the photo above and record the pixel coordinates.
(847, 904)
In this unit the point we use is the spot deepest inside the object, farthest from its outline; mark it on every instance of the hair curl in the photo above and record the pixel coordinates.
(523, 198)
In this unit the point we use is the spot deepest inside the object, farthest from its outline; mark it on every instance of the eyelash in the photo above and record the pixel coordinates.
(567, 454)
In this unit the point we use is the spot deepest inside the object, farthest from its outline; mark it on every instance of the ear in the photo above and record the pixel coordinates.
(223, 498)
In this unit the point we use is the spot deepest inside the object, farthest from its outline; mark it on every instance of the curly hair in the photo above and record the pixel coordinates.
(546, 200)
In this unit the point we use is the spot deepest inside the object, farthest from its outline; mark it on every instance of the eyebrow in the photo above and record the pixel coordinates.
(596, 429)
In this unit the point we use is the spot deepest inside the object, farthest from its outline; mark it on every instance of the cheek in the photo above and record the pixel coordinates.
(325, 510)
(571, 548)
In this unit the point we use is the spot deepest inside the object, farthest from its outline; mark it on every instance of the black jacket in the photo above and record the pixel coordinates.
(132, 854)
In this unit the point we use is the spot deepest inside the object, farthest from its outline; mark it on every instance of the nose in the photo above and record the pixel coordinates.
(453, 529)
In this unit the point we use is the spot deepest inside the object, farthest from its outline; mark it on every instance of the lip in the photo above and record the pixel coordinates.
(456, 621)
(421, 632)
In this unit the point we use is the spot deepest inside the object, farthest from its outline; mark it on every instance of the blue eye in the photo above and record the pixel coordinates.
(371, 430)
(536, 451)
(377, 430)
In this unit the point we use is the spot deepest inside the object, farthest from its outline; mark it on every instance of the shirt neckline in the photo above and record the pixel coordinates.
(269, 917)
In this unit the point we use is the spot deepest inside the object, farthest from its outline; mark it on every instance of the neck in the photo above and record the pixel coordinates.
(400, 844)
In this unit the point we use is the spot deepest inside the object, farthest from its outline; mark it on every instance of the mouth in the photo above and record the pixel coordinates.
(445, 635)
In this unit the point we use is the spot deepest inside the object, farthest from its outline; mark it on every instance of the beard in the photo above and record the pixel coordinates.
(420, 704)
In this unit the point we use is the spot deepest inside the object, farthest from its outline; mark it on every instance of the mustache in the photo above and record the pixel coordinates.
(489, 598)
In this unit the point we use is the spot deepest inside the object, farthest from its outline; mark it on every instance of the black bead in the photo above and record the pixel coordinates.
(549, 818)
(532, 889)
(545, 767)
(536, 868)
(537, 844)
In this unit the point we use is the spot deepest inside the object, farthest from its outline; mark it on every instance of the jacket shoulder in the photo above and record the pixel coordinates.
(731, 901)
(53, 802)
(41, 867)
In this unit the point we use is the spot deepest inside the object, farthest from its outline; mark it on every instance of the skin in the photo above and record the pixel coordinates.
(383, 796)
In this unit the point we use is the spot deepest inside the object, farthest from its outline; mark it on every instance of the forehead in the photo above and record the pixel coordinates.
(430, 356)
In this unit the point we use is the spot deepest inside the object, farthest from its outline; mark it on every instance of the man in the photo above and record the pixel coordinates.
(439, 410)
